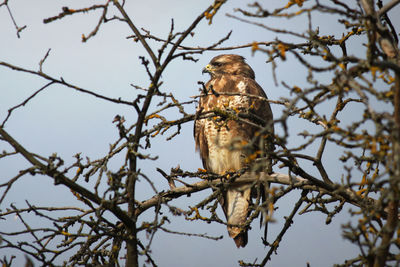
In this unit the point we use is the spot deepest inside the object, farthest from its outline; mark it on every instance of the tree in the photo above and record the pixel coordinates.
(337, 139)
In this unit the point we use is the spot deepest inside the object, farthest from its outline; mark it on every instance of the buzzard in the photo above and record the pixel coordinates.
(236, 132)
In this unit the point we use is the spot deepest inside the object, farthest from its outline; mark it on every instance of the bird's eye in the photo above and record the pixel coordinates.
(217, 64)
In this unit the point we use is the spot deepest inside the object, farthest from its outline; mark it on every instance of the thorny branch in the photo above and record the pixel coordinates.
(19, 29)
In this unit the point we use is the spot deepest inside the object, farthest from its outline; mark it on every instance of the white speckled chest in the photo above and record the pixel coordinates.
(225, 140)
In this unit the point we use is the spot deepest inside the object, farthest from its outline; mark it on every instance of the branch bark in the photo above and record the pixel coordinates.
(60, 178)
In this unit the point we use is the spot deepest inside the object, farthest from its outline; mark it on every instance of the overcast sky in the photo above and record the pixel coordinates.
(64, 121)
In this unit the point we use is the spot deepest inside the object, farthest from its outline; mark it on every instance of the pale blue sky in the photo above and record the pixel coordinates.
(64, 121)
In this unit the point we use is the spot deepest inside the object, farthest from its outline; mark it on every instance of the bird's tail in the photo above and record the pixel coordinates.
(237, 211)
(241, 239)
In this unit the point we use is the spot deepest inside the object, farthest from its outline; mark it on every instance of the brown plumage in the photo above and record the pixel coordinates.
(227, 144)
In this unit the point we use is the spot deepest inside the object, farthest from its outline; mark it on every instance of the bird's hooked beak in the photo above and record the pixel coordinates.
(208, 69)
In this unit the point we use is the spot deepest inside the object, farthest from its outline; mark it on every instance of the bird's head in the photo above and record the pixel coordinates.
(228, 64)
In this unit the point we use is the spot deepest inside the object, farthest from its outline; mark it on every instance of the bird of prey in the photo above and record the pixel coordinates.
(235, 134)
